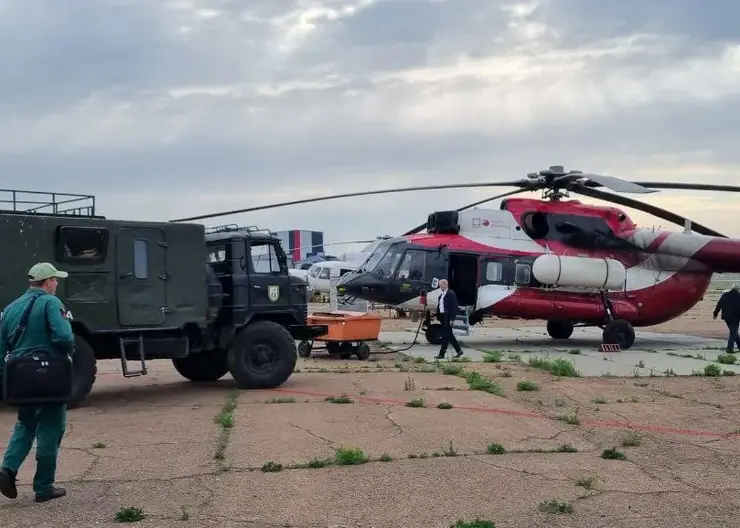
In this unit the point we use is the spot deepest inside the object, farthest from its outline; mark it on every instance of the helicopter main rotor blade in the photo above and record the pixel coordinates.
(424, 225)
(647, 208)
(517, 183)
(615, 184)
(690, 186)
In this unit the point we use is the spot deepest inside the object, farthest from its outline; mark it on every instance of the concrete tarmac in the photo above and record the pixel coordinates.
(652, 354)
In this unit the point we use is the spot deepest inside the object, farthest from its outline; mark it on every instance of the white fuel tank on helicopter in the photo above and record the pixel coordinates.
(583, 272)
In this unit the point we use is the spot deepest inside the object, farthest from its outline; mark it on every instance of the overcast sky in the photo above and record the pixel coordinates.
(172, 108)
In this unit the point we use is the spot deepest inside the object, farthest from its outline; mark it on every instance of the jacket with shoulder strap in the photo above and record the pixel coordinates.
(48, 325)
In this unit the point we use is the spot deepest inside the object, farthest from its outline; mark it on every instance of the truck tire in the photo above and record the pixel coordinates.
(262, 356)
(209, 365)
(85, 372)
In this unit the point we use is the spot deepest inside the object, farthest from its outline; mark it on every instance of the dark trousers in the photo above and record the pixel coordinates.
(733, 339)
(448, 338)
(45, 424)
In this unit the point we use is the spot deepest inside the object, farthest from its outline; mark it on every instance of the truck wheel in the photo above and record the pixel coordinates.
(85, 371)
(619, 332)
(304, 349)
(433, 333)
(560, 329)
(208, 365)
(363, 351)
(262, 356)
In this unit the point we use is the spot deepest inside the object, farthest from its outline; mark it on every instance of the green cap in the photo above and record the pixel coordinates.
(45, 270)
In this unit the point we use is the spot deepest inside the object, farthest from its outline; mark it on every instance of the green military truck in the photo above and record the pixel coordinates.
(213, 301)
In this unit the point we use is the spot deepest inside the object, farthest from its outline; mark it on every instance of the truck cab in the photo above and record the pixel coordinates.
(253, 270)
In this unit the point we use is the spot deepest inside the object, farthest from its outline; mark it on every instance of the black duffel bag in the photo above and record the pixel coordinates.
(40, 376)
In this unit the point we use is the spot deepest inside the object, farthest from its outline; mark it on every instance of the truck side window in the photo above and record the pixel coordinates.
(494, 271)
(141, 259)
(83, 245)
(264, 258)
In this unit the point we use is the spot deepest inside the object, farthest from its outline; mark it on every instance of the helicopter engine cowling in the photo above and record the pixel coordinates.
(601, 273)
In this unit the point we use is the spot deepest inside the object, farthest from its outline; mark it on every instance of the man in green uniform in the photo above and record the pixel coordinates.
(48, 326)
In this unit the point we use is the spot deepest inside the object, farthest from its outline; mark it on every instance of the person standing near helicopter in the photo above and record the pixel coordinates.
(729, 305)
(447, 309)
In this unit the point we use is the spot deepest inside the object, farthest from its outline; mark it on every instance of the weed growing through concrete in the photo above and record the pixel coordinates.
(444, 405)
(599, 401)
(419, 360)
(492, 356)
(727, 359)
(272, 467)
(225, 420)
(574, 351)
(478, 382)
(409, 384)
(495, 449)
(385, 457)
(586, 482)
(339, 399)
(571, 419)
(129, 514)
(350, 456)
(451, 370)
(450, 451)
(525, 386)
(712, 370)
(555, 507)
(477, 523)
(632, 439)
(613, 454)
(99, 445)
(416, 402)
(184, 514)
(557, 367)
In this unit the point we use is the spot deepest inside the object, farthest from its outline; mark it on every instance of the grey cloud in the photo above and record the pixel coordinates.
(338, 119)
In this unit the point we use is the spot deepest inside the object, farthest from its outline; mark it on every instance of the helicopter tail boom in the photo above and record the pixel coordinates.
(719, 255)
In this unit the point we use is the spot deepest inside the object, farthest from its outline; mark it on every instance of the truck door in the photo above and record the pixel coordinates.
(142, 282)
(269, 288)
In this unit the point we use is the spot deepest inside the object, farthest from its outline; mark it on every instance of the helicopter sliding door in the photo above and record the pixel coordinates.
(462, 275)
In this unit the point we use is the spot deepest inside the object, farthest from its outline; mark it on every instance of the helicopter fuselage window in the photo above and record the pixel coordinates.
(494, 272)
(522, 274)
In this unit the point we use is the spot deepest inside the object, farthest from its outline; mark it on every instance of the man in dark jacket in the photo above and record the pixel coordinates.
(447, 309)
(729, 305)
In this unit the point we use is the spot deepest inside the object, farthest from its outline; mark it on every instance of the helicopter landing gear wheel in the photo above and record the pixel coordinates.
(560, 329)
(619, 332)
(433, 333)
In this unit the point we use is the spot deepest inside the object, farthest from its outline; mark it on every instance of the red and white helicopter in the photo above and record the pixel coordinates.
(564, 262)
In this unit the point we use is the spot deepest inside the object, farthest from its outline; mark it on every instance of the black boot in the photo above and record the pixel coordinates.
(7, 483)
(55, 493)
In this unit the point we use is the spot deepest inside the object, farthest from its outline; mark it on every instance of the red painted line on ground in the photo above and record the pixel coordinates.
(606, 424)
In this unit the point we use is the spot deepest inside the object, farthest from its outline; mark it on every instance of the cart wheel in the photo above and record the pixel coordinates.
(332, 347)
(304, 349)
(345, 350)
(363, 351)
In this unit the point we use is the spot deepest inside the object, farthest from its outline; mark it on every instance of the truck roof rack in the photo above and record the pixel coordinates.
(236, 228)
(47, 203)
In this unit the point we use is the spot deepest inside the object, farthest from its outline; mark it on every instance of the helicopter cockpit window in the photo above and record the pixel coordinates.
(314, 271)
(325, 272)
(522, 274)
(389, 262)
(413, 265)
(374, 259)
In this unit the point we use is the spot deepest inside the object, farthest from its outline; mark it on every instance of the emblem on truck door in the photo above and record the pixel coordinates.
(273, 292)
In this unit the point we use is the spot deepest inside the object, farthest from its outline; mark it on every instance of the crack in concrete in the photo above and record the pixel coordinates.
(329, 442)
(399, 428)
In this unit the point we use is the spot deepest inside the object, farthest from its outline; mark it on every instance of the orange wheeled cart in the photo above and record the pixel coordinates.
(347, 333)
